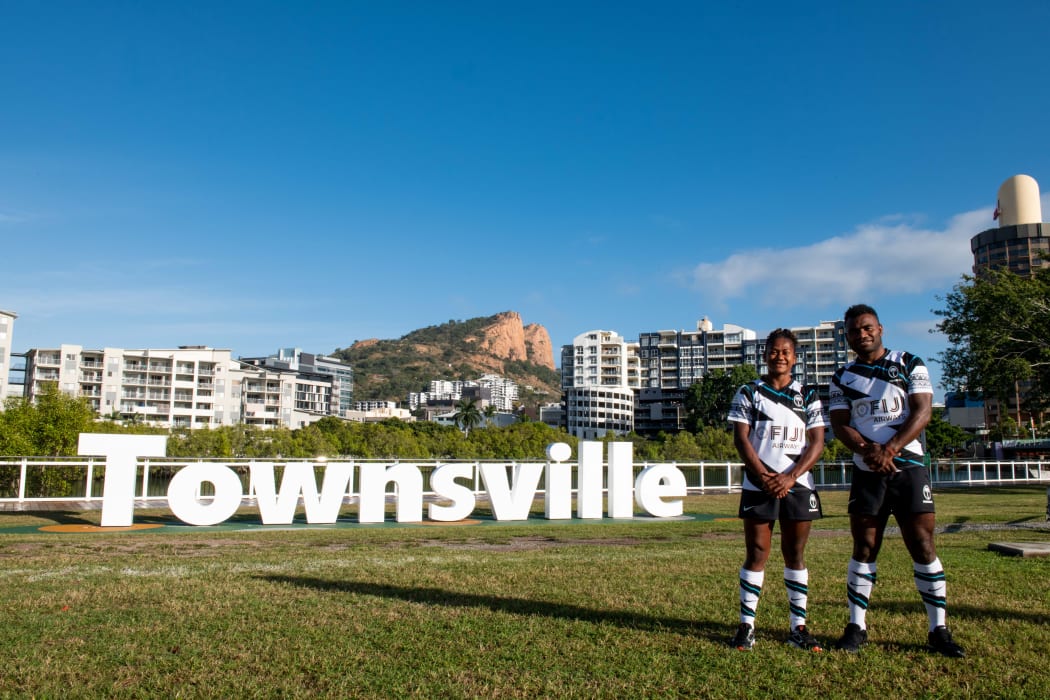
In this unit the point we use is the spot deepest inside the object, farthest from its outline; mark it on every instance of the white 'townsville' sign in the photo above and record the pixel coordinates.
(658, 490)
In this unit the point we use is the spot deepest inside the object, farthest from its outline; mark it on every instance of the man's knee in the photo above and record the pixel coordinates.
(918, 537)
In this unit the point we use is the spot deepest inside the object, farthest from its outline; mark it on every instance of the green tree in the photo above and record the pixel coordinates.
(1006, 429)
(50, 426)
(998, 327)
(835, 451)
(707, 401)
(942, 438)
(716, 444)
(467, 415)
(682, 447)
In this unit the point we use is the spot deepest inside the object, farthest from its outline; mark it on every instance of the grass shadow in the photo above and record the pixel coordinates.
(61, 517)
(1031, 518)
(718, 633)
(970, 612)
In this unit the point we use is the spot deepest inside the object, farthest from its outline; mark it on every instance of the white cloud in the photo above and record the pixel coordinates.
(888, 257)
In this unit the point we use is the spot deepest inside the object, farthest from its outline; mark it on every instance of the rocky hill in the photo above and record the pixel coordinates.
(457, 350)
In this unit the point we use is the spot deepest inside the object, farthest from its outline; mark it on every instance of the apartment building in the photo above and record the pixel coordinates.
(673, 360)
(377, 411)
(670, 361)
(600, 375)
(7, 329)
(325, 385)
(499, 392)
(187, 387)
(822, 349)
(504, 392)
(374, 405)
(270, 398)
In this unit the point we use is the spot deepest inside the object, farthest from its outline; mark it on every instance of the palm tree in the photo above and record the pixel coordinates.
(467, 415)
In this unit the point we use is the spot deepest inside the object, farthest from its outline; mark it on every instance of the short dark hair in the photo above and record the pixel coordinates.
(859, 310)
(781, 333)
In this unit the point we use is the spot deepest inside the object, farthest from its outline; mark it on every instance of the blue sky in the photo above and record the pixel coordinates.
(256, 175)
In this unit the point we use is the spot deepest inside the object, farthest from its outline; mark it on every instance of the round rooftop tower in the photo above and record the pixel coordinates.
(1021, 243)
(1019, 202)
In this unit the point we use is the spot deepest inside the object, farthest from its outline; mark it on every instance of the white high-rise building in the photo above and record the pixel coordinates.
(599, 377)
(7, 328)
(668, 362)
(500, 392)
(822, 349)
(186, 387)
(504, 391)
(313, 371)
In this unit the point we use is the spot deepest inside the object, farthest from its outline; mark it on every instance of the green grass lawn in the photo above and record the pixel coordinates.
(617, 609)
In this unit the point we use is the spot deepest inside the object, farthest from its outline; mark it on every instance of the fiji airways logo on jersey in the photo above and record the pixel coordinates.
(881, 410)
(782, 435)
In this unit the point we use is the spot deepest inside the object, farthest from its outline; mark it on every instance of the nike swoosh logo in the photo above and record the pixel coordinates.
(749, 507)
(849, 382)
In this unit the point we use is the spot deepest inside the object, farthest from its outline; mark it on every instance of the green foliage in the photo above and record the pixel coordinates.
(522, 368)
(1006, 429)
(716, 444)
(835, 451)
(249, 441)
(682, 447)
(943, 438)
(707, 401)
(49, 427)
(998, 325)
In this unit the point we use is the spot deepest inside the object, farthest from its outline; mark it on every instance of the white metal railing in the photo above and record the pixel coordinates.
(24, 479)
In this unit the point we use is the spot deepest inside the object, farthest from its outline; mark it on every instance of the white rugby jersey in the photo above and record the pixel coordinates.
(779, 421)
(876, 395)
